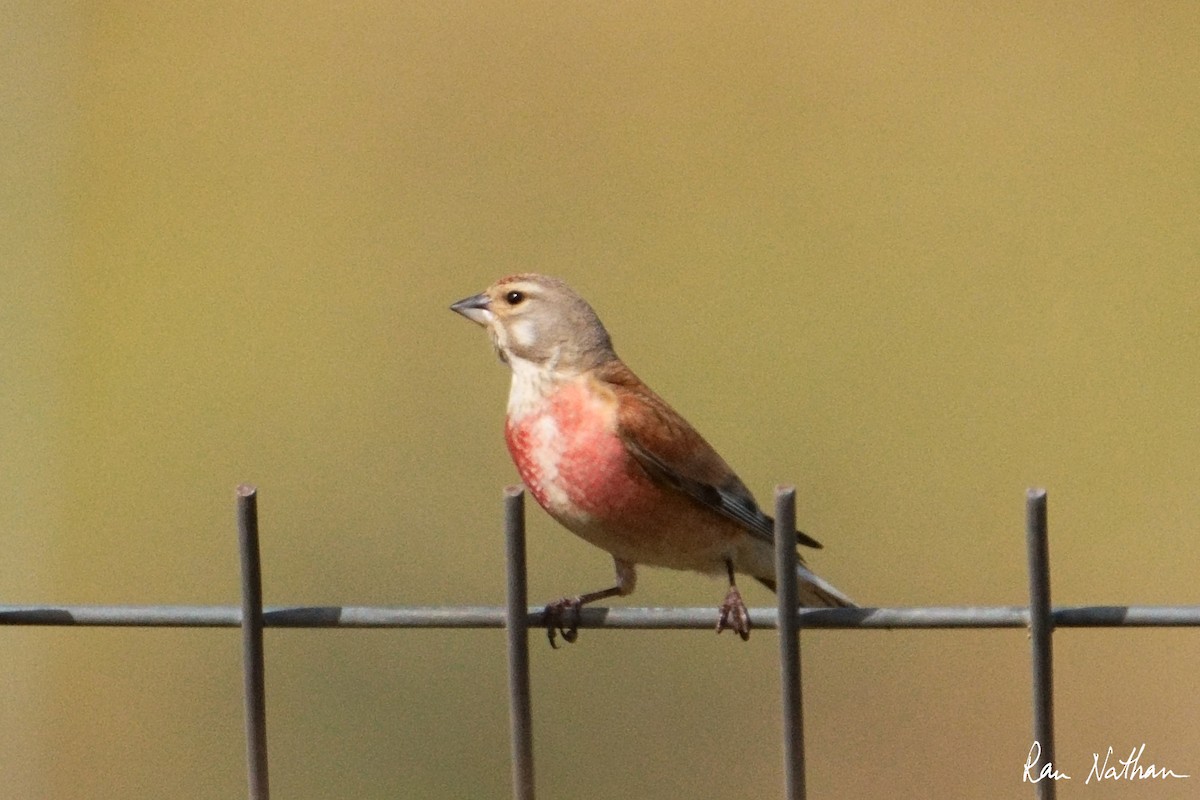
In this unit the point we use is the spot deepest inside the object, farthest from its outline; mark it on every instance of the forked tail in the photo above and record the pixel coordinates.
(814, 591)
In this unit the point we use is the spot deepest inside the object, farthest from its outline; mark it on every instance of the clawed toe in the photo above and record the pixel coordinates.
(562, 616)
(734, 614)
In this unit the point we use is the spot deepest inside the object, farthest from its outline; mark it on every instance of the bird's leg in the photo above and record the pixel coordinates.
(556, 614)
(734, 614)
(562, 616)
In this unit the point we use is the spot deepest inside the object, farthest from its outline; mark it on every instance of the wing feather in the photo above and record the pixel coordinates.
(673, 453)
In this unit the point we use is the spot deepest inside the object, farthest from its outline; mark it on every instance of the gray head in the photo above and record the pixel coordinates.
(540, 320)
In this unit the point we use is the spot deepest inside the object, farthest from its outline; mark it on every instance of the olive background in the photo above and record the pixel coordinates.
(913, 258)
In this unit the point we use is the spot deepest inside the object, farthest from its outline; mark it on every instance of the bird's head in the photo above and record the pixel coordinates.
(540, 321)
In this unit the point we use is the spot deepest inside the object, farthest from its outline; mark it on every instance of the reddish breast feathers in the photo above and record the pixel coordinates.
(569, 456)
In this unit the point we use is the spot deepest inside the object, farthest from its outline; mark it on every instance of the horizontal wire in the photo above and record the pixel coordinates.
(450, 617)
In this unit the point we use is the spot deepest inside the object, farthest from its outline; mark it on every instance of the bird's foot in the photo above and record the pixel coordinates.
(734, 614)
(562, 616)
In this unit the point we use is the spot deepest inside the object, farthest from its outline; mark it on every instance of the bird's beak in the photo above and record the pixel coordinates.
(476, 308)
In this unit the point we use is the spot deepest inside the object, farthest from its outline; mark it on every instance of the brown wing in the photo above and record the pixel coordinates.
(673, 453)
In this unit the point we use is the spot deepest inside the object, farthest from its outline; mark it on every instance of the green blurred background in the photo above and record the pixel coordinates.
(913, 258)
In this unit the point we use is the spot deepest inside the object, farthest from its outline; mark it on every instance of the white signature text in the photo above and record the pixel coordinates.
(1122, 769)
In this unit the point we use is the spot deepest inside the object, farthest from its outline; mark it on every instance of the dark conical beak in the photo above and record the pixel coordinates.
(476, 308)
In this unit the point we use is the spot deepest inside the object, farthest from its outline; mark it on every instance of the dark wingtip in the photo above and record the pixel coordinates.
(808, 541)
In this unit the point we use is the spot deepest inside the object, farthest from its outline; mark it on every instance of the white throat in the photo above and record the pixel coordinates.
(531, 383)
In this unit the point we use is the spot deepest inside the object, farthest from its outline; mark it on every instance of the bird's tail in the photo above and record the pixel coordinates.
(815, 591)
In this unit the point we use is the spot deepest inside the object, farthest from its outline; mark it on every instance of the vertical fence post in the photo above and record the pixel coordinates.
(254, 685)
(517, 627)
(1041, 625)
(789, 641)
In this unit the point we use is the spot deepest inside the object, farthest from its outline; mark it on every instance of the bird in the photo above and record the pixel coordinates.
(612, 462)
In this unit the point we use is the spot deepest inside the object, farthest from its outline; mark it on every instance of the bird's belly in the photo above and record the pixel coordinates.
(584, 477)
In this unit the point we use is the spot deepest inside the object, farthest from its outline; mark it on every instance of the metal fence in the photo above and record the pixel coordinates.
(517, 617)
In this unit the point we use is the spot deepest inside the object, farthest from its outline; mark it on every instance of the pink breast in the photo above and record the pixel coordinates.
(571, 460)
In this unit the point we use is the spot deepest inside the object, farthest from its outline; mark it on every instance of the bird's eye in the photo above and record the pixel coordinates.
(514, 297)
